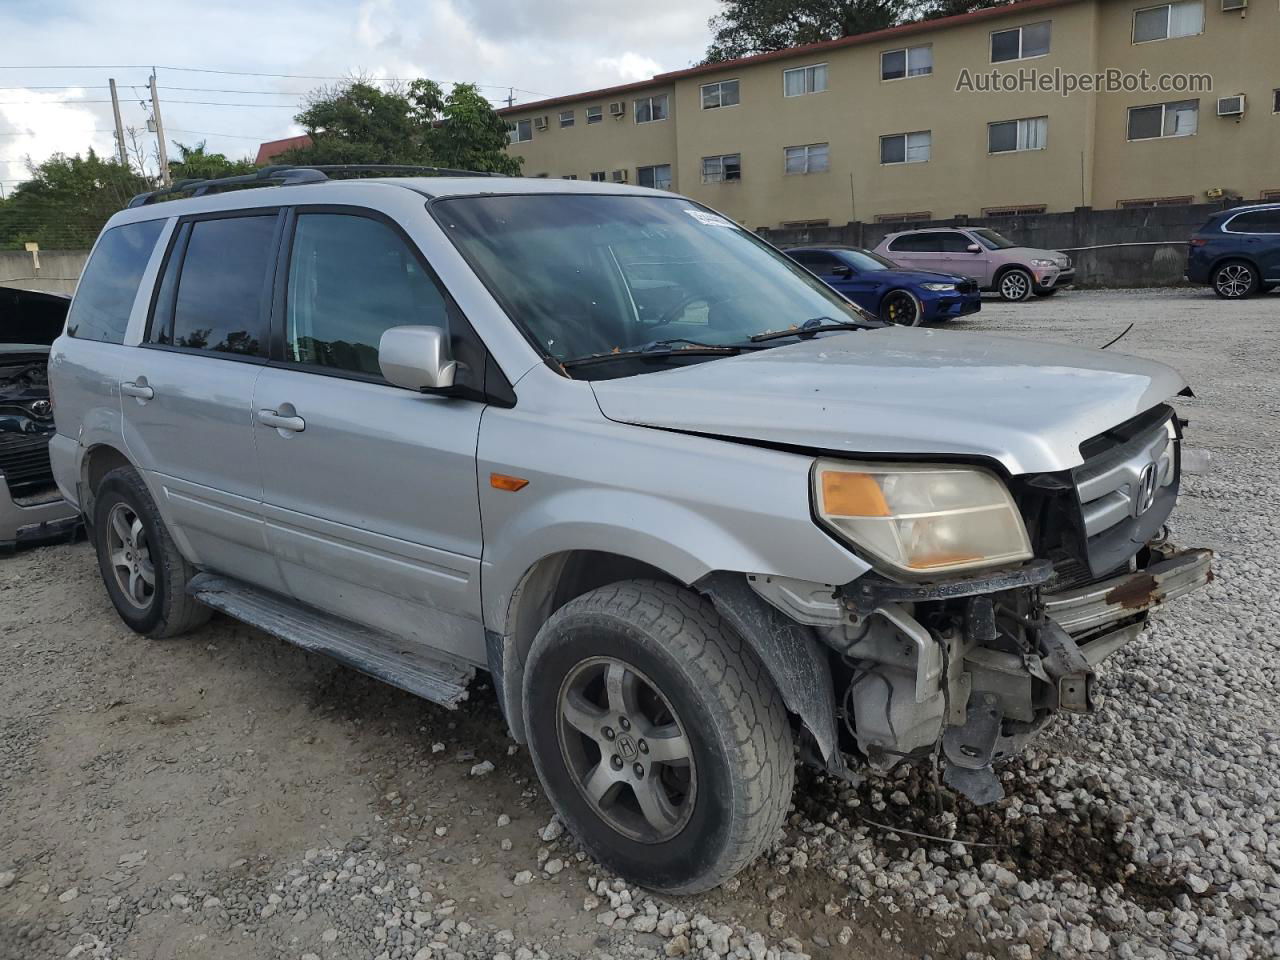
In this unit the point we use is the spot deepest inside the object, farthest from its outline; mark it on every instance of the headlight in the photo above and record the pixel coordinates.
(921, 519)
(1044, 263)
(938, 287)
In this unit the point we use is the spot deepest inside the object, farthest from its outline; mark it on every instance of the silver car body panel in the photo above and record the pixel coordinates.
(904, 391)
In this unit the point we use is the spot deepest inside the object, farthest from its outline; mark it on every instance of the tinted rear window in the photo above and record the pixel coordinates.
(223, 288)
(110, 281)
(1258, 221)
(917, 243)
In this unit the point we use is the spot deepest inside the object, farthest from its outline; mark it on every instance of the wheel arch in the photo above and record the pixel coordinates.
(98, 460)
(1230, 257)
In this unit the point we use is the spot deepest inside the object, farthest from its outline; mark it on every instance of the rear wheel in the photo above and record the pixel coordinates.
(1235, 280)
(145, 575)
(657, 735)
(1015, 285)
(901, 307)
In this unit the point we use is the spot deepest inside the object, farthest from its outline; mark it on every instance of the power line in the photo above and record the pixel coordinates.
(81, 86)
(203, 103)
(250, 73)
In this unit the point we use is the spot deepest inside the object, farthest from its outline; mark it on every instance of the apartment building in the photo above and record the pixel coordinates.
(902, 124)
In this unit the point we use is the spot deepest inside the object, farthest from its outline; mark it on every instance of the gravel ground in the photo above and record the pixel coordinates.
(226, 795)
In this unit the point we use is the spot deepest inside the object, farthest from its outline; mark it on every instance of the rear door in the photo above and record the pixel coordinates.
(369, 489)
(1257, 235)
(918, 251)
(187, 391)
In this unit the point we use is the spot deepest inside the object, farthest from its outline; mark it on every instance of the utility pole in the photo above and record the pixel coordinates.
(511, 97)
(115, 108)
(162, 150)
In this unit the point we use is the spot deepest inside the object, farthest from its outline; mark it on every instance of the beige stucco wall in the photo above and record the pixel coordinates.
(612, 144)
(1243, 55)
(1086, 161)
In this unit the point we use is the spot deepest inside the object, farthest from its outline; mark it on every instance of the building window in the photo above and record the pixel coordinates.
(802, 80)
(906, 147)
(914, 217)
(520, 131)
(1020, 43)
(1275, 101)
(566, 118)
(1269, 195)
(595, 114)
(908, 62)
(1024, 210)
(657, 176)
(1178, 119)
(598, 176)
(810, 158)
(722, 169)
(570, 176)
(1154, 202)
(722, 94)
(1169, 20)
(649, 109)
(1008, 136)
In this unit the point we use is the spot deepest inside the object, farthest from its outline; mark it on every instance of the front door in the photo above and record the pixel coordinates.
(187, 391)
(370, 492)
(958, 258)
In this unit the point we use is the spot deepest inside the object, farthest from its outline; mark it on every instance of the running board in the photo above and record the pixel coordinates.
(380, 655)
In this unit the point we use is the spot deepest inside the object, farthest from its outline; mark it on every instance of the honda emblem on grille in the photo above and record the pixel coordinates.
(1144, 493)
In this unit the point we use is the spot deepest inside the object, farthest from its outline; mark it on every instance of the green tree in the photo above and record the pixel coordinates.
(66, 201)
(196, 163)
(746, 27)
(358, 122)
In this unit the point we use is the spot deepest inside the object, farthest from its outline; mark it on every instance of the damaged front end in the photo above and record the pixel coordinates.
(972, 667)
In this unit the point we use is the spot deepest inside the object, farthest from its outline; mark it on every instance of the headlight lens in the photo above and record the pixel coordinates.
(1043, 263)
(938, 287)
(921, 519)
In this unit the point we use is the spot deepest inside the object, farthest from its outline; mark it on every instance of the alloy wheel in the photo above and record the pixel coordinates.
(130, 556)
(1234, 280)
(901, 308)
(626, 750)
(1014, 286)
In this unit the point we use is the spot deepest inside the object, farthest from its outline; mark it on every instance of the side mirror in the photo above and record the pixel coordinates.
(416, 358)
(973, 248)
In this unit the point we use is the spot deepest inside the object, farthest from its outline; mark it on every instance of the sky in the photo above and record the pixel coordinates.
(57, 55)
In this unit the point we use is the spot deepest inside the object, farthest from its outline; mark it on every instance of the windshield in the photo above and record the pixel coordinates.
(992, 240)
(866, 261)
(597, 274)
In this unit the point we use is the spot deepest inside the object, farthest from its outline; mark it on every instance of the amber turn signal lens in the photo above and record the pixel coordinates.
(852, 495)
(502, 481)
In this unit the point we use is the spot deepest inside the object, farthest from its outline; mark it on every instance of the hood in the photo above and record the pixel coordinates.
(918, 276)
(903, 391)
(31, 319)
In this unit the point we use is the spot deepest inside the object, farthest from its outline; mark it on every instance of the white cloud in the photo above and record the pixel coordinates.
(539, 47)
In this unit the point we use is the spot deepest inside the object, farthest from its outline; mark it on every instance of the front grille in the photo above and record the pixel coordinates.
(24, 460)
(967, 286)
(1126, 490)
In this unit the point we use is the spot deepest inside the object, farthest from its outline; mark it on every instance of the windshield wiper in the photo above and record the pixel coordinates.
(814, 325)
(675, 347)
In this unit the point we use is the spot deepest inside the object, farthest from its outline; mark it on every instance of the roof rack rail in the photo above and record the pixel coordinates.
(286, 174)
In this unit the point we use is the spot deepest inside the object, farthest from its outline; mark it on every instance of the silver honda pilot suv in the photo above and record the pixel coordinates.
(693, 511)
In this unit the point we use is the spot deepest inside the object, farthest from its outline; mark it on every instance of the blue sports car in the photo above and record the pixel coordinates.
(906, 297)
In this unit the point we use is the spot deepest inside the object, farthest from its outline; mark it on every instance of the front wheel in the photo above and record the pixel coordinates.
(1235, 280)
(657, 735)
(1015, 285)
(901, 307)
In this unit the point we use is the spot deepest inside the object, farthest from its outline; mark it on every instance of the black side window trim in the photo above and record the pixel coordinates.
(178, 243)
(462, 328)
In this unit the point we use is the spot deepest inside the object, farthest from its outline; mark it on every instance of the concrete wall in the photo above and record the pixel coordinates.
(1144, 247)
(58, 273)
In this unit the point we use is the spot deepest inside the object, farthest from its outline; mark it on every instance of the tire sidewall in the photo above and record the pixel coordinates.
(1026, 275)
(116, 489)
(1253, 284)
(919, 308)
(578, 636)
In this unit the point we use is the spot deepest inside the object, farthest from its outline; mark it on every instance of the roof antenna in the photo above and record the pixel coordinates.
(1117, 339)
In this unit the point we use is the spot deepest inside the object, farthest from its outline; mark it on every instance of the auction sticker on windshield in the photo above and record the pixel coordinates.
(710, 219)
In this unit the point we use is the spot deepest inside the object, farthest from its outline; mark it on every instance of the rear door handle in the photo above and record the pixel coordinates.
(139, 390)
(271, 418)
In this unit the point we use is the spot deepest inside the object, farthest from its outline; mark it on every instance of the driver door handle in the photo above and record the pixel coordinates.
(270, 418)
(140, 390)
